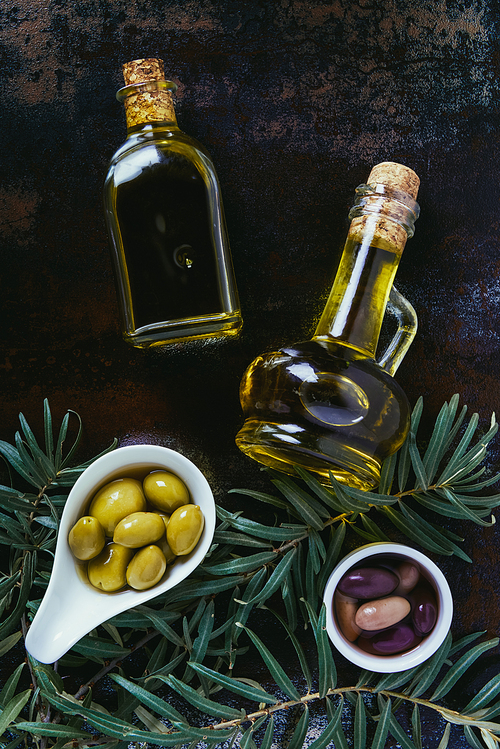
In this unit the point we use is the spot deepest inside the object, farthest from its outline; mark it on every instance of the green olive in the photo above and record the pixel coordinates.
(108, 570)
(146, 568)
(115, 501)
(184, 529)
(86, 538)
(167, 551)
(165, 491)
(139, 529)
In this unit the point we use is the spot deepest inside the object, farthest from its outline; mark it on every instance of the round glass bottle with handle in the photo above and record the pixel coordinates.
(327, 404)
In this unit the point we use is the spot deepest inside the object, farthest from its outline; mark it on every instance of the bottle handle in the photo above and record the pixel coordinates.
(407, 320)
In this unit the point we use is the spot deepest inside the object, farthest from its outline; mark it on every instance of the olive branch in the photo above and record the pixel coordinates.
(194, 640)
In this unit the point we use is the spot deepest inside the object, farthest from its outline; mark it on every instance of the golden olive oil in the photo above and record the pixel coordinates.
(164, 219)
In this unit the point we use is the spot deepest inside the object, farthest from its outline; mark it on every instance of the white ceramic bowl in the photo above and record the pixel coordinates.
(400, 661)
(71, 607)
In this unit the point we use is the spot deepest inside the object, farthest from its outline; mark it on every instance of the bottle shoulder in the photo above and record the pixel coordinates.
(306, 358)
(323, 351)
(161, 138)
(162, 148)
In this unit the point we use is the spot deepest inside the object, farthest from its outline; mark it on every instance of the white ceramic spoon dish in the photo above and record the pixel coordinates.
(71, 607)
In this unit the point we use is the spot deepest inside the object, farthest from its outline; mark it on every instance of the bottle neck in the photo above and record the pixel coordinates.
(148, 103)
(381, 222)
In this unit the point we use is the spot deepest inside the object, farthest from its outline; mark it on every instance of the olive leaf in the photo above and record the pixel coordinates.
(277, 671)
(237, 687)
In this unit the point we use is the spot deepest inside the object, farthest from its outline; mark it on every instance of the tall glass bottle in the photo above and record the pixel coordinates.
(327, 404)
(165, 221)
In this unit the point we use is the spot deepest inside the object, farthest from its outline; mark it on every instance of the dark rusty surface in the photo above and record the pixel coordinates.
(295, 101)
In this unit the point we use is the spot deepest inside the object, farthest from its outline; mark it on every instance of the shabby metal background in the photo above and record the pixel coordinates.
(295, 101)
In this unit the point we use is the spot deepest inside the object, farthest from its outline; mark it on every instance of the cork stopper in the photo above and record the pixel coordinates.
(386, 219)
(396, 177)
(145, 103)
(141, 71)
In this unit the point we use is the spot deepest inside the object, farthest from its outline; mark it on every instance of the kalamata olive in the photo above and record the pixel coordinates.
(423, 608)
(107, 571)
(146, 568)
(184, 529)
(369, 634)
(393, 640)
(139, 529)
(165, 491)
(368, 582)
(345, 609)
(382, 613)
(409, 575)
(87, 538)
(115, 501)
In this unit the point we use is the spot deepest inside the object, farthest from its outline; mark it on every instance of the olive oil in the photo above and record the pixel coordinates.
(171, 263)
(326, 404)
(323, 410)
(165, 220)
(355, 308)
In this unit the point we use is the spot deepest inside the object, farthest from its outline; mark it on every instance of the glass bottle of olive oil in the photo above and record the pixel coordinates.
(327, 404)
(165, 220)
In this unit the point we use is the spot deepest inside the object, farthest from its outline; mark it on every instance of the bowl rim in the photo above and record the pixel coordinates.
(398, 661)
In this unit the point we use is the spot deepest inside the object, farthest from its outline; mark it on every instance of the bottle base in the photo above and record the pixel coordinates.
(179, 331)
(275, 446)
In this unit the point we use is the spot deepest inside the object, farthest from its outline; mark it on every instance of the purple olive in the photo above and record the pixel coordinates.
(368, 582)
(423, 608)
(368, 634)
(395, 640)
